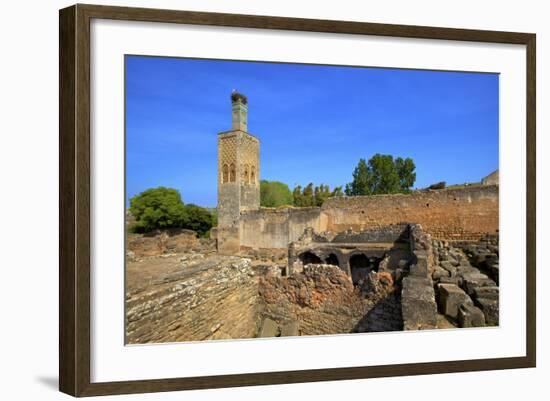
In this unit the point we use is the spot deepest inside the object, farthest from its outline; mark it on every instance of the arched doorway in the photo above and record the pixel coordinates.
(309, 258)
(360, 267)
(332, 259)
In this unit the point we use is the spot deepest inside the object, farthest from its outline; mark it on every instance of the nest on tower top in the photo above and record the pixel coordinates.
(236, 96)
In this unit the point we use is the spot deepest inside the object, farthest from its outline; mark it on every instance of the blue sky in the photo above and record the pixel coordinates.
(314, 122)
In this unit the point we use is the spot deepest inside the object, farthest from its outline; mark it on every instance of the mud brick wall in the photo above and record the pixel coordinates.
(454, 214)
(463, 214)
(208, 299)
(384, 234)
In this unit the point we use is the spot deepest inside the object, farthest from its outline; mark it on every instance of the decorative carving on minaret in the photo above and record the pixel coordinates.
(238, 175)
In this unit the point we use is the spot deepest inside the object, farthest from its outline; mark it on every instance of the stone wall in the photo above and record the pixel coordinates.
(465, 214)
(418, 303)
(250, 197)
(202, 299)
(161, 242)
(228, 204)
(380, 234)
(491, 179)
(276, 228)
(388, 243)
(323, 300)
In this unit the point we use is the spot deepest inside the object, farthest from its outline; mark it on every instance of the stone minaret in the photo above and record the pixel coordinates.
(238, 175)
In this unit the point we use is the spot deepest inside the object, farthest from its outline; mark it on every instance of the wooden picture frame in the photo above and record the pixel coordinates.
(74, 199)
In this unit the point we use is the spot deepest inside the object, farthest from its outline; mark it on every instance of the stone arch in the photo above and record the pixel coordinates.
(308, 257)
(225, 173)
(360, 266)
(232, 173)
(332, 259)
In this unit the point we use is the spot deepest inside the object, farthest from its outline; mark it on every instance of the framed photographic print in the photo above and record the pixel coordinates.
(250, 200)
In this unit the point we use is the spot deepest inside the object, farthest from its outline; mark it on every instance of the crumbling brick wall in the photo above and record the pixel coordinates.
(323, 300)
(467, 213)
(463, 214)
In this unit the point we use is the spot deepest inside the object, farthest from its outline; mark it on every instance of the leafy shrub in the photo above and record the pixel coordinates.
(198, 219)
(161, 208)
(157, 208)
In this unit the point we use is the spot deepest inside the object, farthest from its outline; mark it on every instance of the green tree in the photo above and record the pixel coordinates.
(198, 219)
(214, 213)
(157, 208)
(337, 191)
(361, 183)
(321, 194)
(297, 196)
(382, 175)
(161, 208)
(274, 194)
(313, 195)
(307, 196)
(407, 175)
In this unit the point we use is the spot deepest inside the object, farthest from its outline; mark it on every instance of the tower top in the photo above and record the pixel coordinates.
(238, 97)
(239, 111)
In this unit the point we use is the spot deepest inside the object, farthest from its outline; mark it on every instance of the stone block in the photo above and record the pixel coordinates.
(490, 309)
(462, 270)
(471, 281)
(470, 316)
(450, 298)
(419, 270)
(269, 328)
(418, 306)
(486, 292)
(455, 257)
(456, 280)
(290, 329)
(439, 273)
(480, 256)
(397, 275)
(449, 267)
(464, 263)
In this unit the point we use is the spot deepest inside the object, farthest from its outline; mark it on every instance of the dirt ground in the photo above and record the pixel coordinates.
(142, 272)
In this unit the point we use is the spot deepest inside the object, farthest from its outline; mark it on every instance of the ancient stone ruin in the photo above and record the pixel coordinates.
(424, 260)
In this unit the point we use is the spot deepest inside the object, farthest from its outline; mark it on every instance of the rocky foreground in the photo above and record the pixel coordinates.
(178, 288)
(196, 297)
(466, 279)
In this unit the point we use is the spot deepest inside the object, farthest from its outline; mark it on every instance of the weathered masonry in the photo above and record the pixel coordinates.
(424, 260)
(467, 213)
(238, 176)
(356, 253)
